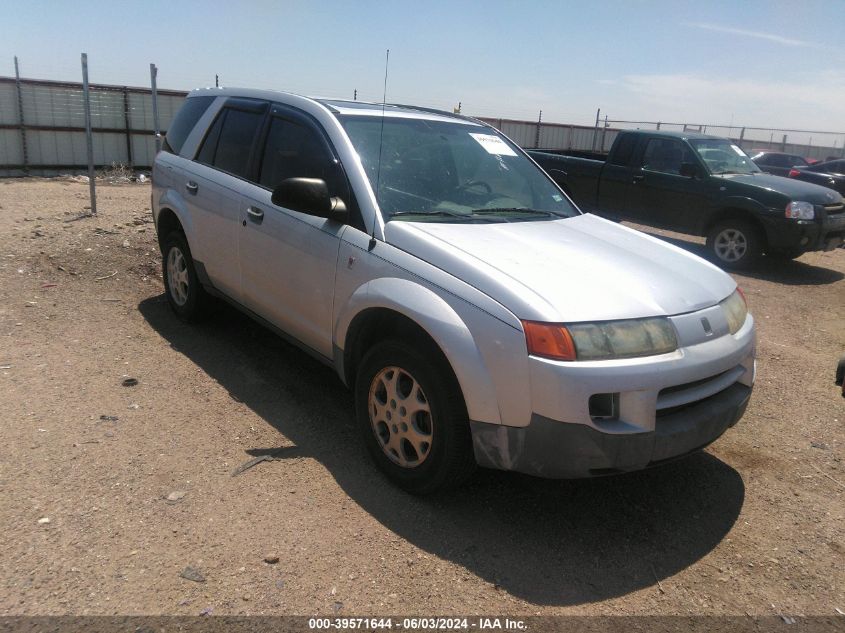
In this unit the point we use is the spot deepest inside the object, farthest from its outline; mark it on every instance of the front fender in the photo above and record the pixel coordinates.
(742, 203)
(442, 323)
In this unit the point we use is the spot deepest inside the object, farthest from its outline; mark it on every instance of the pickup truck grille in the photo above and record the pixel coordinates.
(833, 209)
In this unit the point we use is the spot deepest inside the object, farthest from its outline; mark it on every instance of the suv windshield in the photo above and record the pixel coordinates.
(450, 171)
(723, 157)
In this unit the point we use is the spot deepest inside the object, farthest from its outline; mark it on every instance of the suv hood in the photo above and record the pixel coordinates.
(575, 269)
(789, 187)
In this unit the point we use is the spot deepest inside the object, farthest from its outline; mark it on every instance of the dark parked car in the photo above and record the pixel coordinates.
(829, 174)
(778, 163)
(701, 185)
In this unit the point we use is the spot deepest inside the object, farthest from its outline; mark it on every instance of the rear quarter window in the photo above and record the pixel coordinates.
(184, 122)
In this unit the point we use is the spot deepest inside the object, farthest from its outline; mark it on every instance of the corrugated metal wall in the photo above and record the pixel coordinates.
(54, 126)
(122, 118)
(554, 135)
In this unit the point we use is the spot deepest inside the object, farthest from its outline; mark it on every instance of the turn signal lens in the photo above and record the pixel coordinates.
(794, 173)
(549, 340)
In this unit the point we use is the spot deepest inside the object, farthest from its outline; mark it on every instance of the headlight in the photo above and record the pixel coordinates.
(800, 211)
(600, 341)
(735, 310)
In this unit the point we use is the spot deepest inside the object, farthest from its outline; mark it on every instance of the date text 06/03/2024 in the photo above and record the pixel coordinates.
(423, 623)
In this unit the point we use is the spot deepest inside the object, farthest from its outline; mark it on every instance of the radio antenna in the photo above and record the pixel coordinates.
(380, 143)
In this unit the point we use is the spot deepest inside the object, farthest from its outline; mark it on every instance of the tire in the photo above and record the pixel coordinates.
(185, 294)
(735, 244)
(421, 442)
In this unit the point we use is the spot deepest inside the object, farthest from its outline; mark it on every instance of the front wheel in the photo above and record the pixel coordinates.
(412, 417)
(735, 244)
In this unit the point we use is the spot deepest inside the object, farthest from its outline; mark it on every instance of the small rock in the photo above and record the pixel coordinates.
(207, 611)
(271, 559)
(337, 606)
(129, 382)
(109, 434)
(125, 243)
(175, 496)
(44, 520)
(280, 584)
(134, 406)
(194, 575)
(108, 418)
(245, 597)
(141, 229)
(820, 445)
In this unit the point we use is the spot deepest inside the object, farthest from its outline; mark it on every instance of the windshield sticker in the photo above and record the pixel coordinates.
(738, 151)
(493, 144)
(557, 197)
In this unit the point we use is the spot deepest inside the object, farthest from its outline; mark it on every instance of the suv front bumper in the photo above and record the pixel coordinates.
(665, 407)
(557, 450)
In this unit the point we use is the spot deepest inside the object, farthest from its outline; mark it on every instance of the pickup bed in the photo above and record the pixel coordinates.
(701, 185)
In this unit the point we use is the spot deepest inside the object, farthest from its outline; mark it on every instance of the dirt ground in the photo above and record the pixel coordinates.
(753, 525)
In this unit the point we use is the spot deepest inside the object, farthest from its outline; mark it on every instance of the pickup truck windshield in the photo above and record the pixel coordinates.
(723, 157)
(444, 171)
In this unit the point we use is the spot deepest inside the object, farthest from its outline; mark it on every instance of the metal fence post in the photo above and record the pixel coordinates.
(153, 73)
(20, 117)
(596, 131)
(603, 134)
(88, 136)
(537, 133)
(128, 128)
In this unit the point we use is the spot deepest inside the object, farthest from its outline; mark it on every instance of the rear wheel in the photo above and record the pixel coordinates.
(185, 293)
(412, 417)
(735, 244)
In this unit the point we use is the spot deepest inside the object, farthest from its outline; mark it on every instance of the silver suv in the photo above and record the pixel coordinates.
(478, 315)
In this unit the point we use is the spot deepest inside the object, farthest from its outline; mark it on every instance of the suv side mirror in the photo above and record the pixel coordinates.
(311, 196)
(689, 170)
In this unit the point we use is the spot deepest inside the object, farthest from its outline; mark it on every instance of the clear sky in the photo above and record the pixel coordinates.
(755, 63)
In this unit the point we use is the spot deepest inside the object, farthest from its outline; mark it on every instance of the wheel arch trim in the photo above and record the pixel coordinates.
(440, 321)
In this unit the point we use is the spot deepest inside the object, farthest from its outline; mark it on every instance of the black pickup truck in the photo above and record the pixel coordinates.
(701, 185)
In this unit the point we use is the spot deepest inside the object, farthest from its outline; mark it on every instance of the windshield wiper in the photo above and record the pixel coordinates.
(440, 213)
(514, 210)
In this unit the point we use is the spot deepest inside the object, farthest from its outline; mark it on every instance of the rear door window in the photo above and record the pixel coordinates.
(624, 150)
(228, 144)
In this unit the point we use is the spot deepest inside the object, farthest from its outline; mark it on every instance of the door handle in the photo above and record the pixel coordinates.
(638, 178)
(256, 215)
(192, 187)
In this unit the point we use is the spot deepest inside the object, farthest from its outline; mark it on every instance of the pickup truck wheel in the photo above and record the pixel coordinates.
(185, 293)
(412, 417)
(735, 244)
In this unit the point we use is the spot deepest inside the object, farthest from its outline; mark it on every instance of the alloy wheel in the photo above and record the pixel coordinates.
(730, 245)
(177, 276)
(400, 416)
